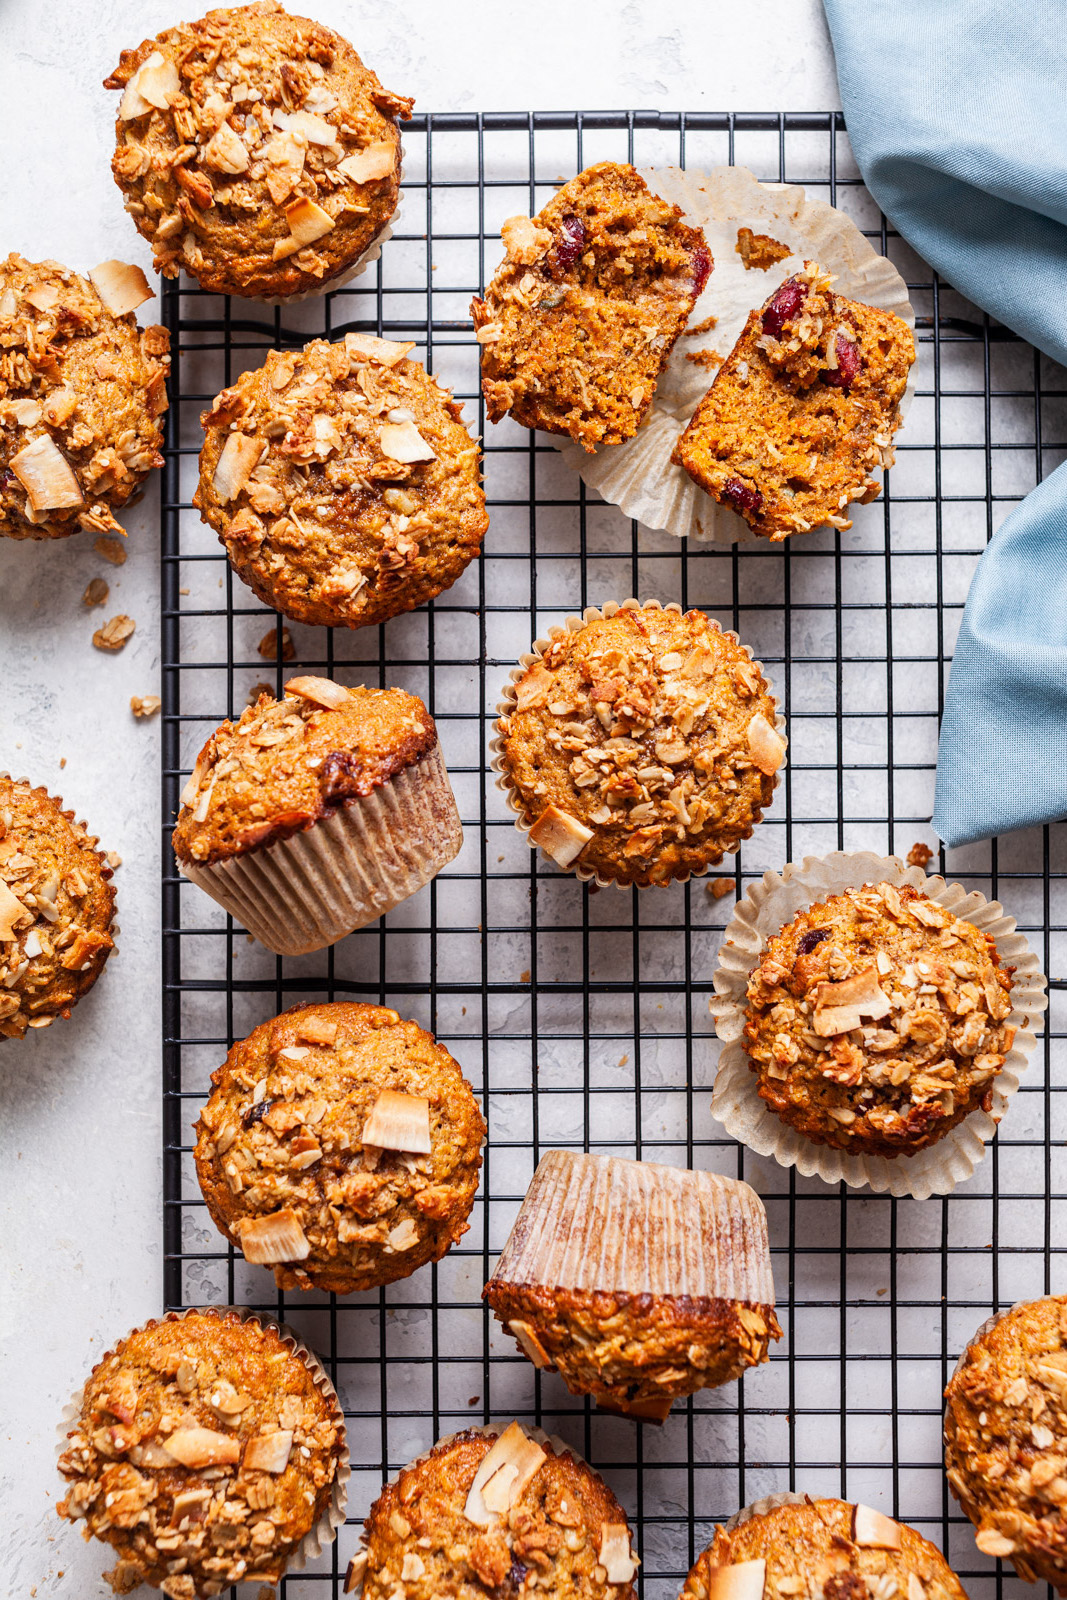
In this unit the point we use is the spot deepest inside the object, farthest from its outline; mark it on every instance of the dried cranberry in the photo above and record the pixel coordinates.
(517, 1576)
(743, 496)
(784, 304)
(701, 269)
(849, 364)
(257, 1112)
(569, 245)
(810, 940)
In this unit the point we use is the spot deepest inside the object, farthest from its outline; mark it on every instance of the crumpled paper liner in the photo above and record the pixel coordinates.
(769, 1502)
(770, 905)
(524, 819)
(325, 1530)
(637, 475)
(308, 891)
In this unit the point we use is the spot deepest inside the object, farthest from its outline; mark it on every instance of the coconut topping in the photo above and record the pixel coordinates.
(399, 1122)
(503, 1475)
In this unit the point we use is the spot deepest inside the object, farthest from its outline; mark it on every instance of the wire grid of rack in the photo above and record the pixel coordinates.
(581, 1017)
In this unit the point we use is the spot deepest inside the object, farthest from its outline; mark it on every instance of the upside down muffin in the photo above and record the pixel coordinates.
(803, 409)
(820, 1550)
(876, 1021)
(82, 392)
(340, 1146)
(491, 1513)
(255, 150)
(342, 482)
(638, 1283)
(1006, 1438)
(56, 906)
(206, 1449)
(584, 310)
(640, 746)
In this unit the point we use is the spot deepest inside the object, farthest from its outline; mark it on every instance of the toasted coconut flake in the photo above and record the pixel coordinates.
(534, 687)
(916, 1587)
(616, 1556)
(239, 455)
(226, 151)
(357, 1571)
(405, 1236)
(269, 1452)
(524, 240)
(42, 297)
(513, 1450)
(368, 166)
(13, 913)
(560, 835)
(765, 745)
(530, 1344)
(306, 125)
(269, 1241)
(203, 1447)
(307, 221)
(320, 691)
(121, 286)
(399, 1122)
(27, 413)
(873, 1530)
(47, 476)
(744, 1580)
(154, 80)
(365, 347)
(839, 1007)
(402, 441)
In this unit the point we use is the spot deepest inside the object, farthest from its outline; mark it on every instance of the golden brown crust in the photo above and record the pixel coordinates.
(84, 386)
(219, 1518)
(893, 1071)
(56, 945)
(1006, 1438)
(256, 111)
(584, 310)
(285, 764)
(326, 525)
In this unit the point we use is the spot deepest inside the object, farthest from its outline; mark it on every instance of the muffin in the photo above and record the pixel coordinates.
(317, 813)
(255, 150)
(803, 409)
(340, 1146)
(82, 392)
(342, 482)
(821, 1549)
(639, 744)
(56, 906)
(638, 1283)
(585, 308)
(207, 1449)
(875, 1021)
(512, 1513)
(1006, 1438)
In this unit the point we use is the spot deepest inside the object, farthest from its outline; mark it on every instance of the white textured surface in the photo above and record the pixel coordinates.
(79, 1103)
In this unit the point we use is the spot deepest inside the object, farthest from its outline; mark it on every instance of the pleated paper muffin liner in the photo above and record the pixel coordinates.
(766, 908)
(525, 819)
(769, 1502)
(637, 475)
(348, 869)
(324, 1532)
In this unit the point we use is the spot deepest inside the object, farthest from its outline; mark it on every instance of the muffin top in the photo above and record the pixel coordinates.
(876, 1020)
(341, 1146)
(56, 904)
(490, 1511)
(1006, 1438)
(255, 150)
(204, 1452)
(642, 746)
(821, 1550)
(287, 763)
(342, 482)
(82, 390)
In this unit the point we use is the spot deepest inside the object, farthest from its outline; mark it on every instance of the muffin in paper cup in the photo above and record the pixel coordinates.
(302, 1451)
(316, 814)
(767, 909)
(663, 838)
(638, 475)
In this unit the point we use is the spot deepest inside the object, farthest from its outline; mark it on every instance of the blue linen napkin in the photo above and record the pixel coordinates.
(957, 113)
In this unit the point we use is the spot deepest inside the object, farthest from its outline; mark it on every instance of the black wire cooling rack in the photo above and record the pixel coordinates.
(581, 1017)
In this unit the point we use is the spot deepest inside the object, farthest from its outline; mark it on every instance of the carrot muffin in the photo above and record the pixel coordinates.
(803, 409)
(875, 1021)
(82, 392)
(56, 905)
(340, 1146)
(255, 150)
(1006, 1438)
(501, 1513)
(585, 308)
(342, 482)
(206, 1450)
(638, 1283)
(823, 1549)
(317, 813)
(640, 746)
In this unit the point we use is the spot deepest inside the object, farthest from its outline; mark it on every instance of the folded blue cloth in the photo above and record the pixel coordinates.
(958, 118)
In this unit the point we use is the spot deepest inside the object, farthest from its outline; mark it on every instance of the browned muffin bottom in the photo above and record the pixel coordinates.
(56, 905)
(584, 310)
(203, 1454)
(642, 746)
(1006, 1439)
(803, 409)
(255, 150)
(82, 391)
(496, 1514)
(340, 1146)
(821, 1550)
(286, 764)
(876, 1021)
(342, 482)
